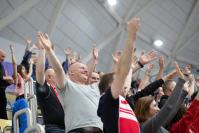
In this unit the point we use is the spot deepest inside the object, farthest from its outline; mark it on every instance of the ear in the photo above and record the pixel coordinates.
(70, 73)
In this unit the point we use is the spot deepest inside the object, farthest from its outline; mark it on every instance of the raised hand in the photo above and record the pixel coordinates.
(11, 48)
(78, 58)
(116, 56)
(133, 26)
(149, 68)
(68, 51)
(134, 62)
(147, 58)
(45, 41)
(161, 62)
(95, 53)
(179, 72)
(28, 41)
(39, 43)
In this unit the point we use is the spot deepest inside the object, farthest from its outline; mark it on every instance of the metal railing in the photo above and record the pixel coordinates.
(36, 129)
(16, 118)
(31, 97)
(7, 128)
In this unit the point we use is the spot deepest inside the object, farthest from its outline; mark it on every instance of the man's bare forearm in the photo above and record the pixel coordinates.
(40, 66)
(59, 72)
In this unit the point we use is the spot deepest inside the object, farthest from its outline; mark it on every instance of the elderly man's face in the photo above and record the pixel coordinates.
(2, 55)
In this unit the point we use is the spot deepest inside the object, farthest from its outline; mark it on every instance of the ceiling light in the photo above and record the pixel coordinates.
(158, 43)
(112, 2)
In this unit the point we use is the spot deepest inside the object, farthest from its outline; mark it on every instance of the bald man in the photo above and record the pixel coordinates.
(4, 82)
(80, 101)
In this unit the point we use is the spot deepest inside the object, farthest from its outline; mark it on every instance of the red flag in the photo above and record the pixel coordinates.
(127, 122)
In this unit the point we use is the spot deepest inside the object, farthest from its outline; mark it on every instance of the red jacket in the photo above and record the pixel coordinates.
(189, 123)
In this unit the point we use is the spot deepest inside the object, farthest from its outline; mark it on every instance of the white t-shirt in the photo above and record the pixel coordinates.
(80, 103)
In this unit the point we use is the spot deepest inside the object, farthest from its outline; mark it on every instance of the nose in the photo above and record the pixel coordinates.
(157, 109)
(85, 71)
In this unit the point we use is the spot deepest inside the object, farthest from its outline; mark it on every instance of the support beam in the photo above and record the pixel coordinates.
(110, 11)
(17, 13)
(55, 16)
(113, 13)
(104, 43)
(131, 13)
(186, 28)
(189, 61)
(188, 41)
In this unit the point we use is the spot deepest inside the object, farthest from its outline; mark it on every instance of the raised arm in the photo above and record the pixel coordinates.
(92, 64)
(146, 79)
(28, 76)
(59, 72)
(14, 64)
(116, 58)
(28, 54)
(124, 63)
(40, 67)
(161, 68)
(153, 124)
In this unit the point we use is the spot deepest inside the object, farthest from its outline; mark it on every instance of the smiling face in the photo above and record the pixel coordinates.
(78, 73)
(94, 78)
(153, 109)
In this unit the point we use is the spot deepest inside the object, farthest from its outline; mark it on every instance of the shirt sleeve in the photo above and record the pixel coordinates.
(26, 58)
(108, 111)
(187, 119)
(148, 90)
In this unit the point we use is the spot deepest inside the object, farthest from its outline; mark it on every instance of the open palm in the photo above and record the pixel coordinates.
(45, 41)
(147, 58)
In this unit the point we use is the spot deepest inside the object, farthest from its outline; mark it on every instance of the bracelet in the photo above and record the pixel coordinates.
(140, 64)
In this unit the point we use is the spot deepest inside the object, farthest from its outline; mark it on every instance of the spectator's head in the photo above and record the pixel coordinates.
(158, 94)
(2, 55)
(50, 75)
(168, 87)
(94, 78)
(105, 82)
(21, 70)
(145, 108)
(78, 73)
